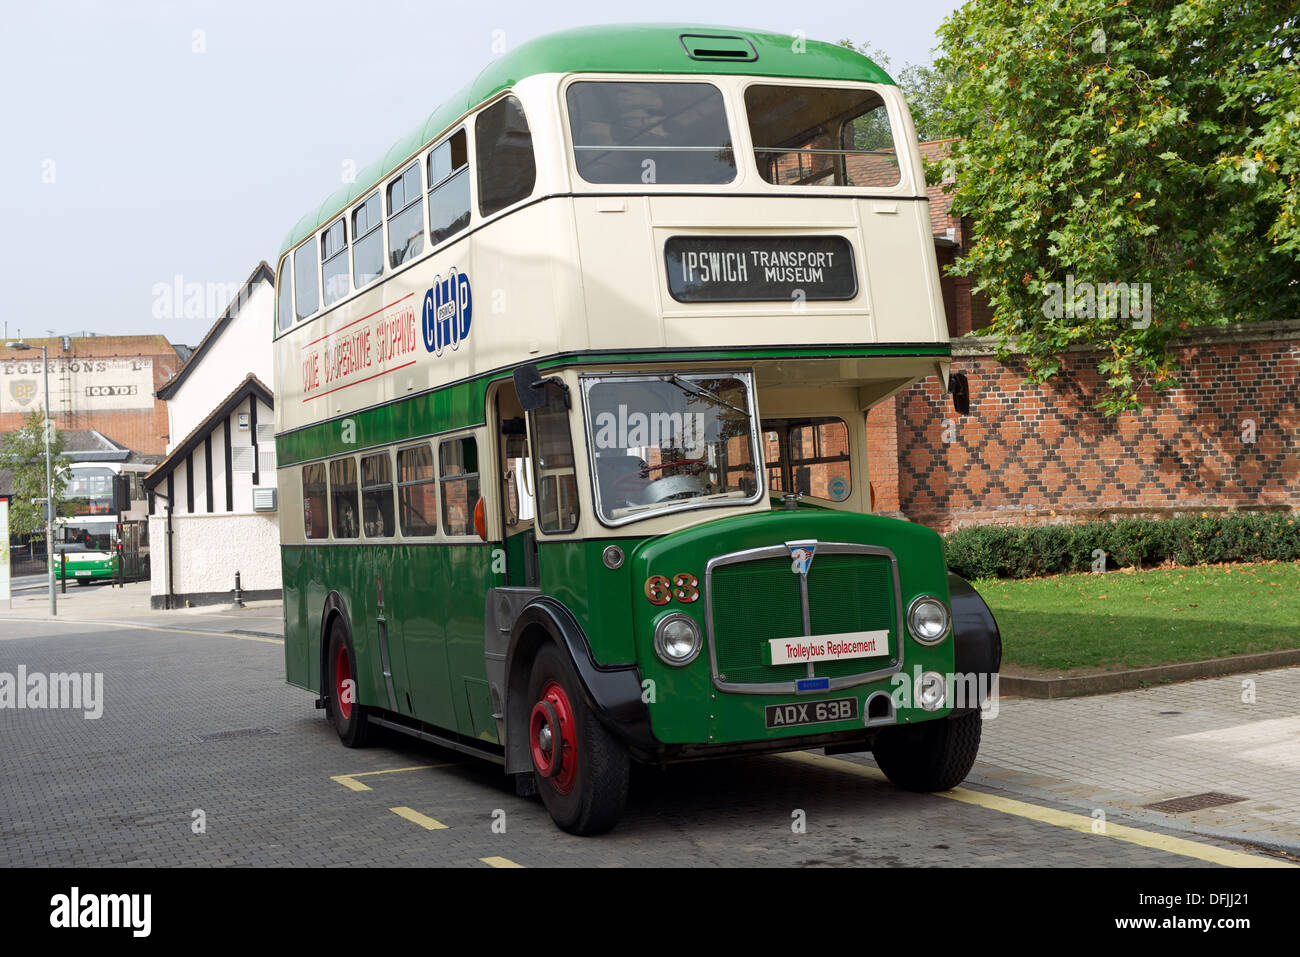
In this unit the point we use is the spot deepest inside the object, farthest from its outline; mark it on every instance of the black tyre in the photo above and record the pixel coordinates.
(931, 756)
(345, 711)
(581, 769)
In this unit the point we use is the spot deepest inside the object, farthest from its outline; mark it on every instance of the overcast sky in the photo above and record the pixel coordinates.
(148, 141)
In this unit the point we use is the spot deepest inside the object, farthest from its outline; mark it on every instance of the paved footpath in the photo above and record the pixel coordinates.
(197, 718)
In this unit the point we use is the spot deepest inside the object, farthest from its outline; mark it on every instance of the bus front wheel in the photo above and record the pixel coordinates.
(930, 756)
(347, 714)
(581, 769)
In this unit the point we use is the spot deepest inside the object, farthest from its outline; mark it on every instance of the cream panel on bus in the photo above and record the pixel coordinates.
(487, 301)
(618, 282)
(903, 271)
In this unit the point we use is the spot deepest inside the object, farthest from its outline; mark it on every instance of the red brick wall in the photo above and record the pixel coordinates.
(1032, 454)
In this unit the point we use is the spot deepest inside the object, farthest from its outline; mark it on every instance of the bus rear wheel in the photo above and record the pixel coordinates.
(581, 769)
(931, 756)
(348, 716)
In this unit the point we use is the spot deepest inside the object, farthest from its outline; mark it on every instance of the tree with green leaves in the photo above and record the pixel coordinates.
(22, 454)
(1147, 146)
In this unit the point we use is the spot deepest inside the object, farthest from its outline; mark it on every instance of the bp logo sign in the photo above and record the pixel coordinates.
(447, 308)
(23, 390)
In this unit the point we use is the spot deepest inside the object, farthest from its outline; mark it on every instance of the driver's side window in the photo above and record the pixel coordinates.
(557, 480)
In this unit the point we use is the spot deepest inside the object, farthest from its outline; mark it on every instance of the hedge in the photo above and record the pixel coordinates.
(1002, 551)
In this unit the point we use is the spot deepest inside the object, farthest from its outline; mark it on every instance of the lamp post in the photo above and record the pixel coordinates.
(21, 346)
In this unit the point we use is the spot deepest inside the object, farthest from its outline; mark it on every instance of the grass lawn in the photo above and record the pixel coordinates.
(1138, 618)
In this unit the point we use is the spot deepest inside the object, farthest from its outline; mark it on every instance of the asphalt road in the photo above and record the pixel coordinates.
(204, 756)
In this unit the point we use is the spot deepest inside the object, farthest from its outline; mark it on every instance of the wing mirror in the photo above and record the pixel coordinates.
(959, 389)
(530, 388)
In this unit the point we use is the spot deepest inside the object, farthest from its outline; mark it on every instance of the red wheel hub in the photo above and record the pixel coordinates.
(553, 737)
(342, 682)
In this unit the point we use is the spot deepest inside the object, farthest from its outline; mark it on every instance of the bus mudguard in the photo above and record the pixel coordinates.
(612, 691)
(977, 641)
(333, 606)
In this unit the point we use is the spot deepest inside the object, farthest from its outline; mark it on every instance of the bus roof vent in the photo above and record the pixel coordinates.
(703, 47)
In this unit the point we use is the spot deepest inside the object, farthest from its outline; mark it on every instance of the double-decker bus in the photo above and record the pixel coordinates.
(95, 543)
(571, 398)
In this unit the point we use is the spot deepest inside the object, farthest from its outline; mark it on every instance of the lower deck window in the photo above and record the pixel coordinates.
(417, 500)
(315, 514)
(377, 495)
(458, 468)
(343, 497)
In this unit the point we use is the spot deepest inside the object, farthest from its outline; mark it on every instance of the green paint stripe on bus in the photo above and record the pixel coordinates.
(461, 405)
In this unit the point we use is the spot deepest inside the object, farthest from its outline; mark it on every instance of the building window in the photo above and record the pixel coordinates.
(405, 217)
(306, 284)
(448, 188)
(284, 305)
(417, 499)
(334, 260)
(368, 242)
(503, 144)
(315, 514)
(377, 495)
(343, 497)
(458, 470)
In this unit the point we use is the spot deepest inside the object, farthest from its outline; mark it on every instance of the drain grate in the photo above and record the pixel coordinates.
(1195, 802)
(240, 733)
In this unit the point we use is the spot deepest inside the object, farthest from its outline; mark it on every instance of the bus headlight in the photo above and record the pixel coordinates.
(930, 691)
(677, 639)
(927, 620)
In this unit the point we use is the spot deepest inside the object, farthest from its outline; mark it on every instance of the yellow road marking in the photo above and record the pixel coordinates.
(1066, 819)
(426, 822)
(499, 862)
(130, 624)
(350, 781)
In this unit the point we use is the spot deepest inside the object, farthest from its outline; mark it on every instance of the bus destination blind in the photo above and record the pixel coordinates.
(760, 268)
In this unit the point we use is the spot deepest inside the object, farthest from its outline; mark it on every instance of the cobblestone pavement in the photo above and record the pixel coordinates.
(1238, 735)
(197, 719)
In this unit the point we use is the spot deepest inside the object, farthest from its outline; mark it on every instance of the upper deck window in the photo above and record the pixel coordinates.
(811, 136)
(503, 143)
(334, 260)
(405, 217)
(284, 304)
(368, 244)
(306, 279)
(449, 188)
(650, 133)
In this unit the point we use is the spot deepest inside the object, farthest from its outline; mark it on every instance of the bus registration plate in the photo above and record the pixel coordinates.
(810, 712)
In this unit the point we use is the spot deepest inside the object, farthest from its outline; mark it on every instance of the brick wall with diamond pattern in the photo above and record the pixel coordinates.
(1227, 438)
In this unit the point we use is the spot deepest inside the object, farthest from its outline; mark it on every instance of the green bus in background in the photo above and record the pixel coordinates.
(570, 423)
(97, 548)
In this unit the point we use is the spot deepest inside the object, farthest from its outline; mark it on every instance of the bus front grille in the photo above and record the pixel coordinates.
(753, 597)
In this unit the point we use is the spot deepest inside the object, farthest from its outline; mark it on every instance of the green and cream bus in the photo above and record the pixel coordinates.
(571, 397)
